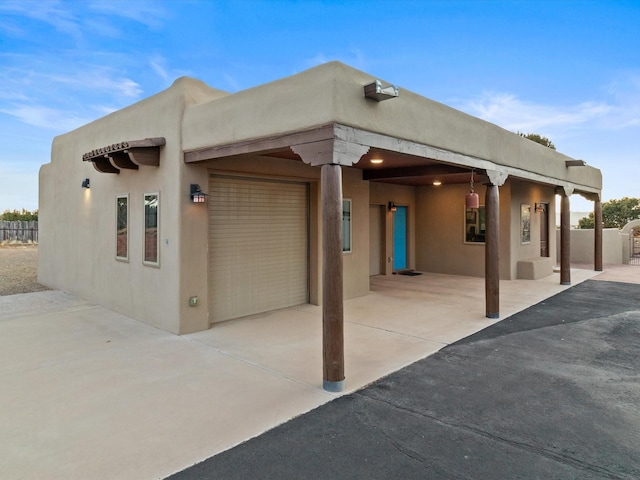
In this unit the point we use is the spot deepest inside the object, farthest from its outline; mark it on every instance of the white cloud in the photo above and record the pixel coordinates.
(44, 117)
(52, 12)
(232, 82)
(158, 65)
(619, 109)
(148, 13)
(100, 79)
(514, 114)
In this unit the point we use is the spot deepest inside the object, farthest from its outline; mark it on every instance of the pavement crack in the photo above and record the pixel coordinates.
(417, 457)
(558, 457)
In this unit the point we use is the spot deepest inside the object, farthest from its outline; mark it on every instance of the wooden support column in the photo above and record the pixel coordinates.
(332, 301)
(330, 155)
(565, 238)
(492, 252)
(597, 233)
(492, 244)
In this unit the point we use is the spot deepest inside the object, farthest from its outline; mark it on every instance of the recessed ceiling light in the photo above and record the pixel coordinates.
(376, 160)
(437, 183)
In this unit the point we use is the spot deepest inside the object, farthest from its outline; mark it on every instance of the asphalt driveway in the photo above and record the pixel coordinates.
(552, 392)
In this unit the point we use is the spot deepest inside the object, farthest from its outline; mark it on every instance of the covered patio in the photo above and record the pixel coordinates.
(403, 319)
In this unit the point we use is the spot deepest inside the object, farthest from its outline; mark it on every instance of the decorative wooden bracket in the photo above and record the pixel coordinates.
(129, 155)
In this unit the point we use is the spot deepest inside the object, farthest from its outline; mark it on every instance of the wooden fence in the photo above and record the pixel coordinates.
(19, 231)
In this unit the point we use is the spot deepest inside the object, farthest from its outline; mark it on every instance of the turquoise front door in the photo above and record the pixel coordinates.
(400, 238)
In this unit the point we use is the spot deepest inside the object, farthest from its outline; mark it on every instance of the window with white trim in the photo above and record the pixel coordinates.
(122, 227)
(151, 249)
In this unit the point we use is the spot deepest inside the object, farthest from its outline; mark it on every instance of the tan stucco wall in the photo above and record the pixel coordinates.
(440, 232)
(77, 226)
(524, 193)
(582, 246)
(333, 92)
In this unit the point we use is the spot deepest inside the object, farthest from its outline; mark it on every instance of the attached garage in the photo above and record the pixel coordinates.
(258, 246)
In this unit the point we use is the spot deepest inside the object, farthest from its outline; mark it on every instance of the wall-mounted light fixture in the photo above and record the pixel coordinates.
(197, 195)
(392, 207)
(86, 183)
(538, 207)
(472, 200)
(378, 92)
(575, 163)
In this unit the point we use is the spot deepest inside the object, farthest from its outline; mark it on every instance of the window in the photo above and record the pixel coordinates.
(122, 227)
(525, 223)
(346, 225)
(151, 229)
(474, 225)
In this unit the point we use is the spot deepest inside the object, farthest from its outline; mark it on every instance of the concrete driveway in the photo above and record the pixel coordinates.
(89, 393)
(552, 392)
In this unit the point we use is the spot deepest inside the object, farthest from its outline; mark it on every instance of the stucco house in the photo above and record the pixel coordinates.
(196, 206)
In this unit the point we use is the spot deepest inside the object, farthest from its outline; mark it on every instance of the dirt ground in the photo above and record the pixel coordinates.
(19, 269)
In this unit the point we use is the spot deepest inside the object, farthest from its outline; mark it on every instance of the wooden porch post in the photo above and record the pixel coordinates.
(492, 243)
(492, 252)
(332, 294)
(597, 242)
(330, 155)
(565, 238)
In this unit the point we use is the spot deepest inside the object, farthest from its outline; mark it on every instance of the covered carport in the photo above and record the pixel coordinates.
(343, 126)
(335, 146)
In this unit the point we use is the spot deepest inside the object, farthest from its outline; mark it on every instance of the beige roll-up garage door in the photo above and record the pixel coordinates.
(258, 244)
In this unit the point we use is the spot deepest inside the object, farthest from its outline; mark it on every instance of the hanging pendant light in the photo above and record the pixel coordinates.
(472, 200)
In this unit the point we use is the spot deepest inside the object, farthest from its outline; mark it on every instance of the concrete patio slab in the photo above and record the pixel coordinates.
(552, 392)
(89, 393)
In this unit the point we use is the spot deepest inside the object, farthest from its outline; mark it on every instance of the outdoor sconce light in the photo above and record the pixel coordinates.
(472, 200)
(379, 93)
(392, 207)
(575, 163)
(85, 183)
(538, 208)
(197, 195)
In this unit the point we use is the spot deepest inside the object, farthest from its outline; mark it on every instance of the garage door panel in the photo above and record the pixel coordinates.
(258, 246)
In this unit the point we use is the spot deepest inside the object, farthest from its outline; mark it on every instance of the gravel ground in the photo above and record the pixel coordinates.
(19, 269)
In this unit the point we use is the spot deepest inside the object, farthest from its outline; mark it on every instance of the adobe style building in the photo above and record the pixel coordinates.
(196, 206)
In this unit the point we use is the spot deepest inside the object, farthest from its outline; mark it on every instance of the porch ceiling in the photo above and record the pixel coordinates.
(404, 162)
(401, 168)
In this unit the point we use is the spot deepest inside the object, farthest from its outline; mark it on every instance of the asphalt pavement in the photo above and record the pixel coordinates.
(552, 392)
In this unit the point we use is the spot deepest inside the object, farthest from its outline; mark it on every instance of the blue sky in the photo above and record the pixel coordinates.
(569, 70)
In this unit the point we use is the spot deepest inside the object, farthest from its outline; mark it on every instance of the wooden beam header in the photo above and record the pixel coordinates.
(130, 155)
